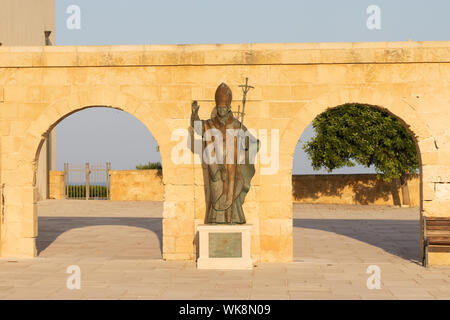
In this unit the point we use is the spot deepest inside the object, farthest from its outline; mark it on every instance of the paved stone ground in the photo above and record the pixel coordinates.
(117, 247)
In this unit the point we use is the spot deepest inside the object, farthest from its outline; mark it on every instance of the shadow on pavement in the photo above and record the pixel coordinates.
(50, 228)
(398, 237)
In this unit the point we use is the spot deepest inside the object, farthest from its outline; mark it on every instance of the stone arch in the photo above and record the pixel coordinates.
(399, 107)
(57, 111)
(402, 108)
(60, 109)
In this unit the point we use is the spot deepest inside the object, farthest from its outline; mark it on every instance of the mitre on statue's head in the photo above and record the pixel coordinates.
(223, 95)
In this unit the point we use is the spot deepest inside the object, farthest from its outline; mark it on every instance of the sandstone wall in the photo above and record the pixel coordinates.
(136, 185)
(56, 184)
(126, 185)
(366, 189)
(40, 86)
(352, 189)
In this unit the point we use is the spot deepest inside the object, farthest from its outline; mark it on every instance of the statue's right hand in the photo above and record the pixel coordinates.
(195, 106)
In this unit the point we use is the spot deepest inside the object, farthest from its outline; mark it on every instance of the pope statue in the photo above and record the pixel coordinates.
(229, 153)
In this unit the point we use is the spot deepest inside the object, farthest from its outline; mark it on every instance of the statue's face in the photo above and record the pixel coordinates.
(222, 111)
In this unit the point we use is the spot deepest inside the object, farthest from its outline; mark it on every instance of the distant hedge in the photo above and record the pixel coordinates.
(79, 191)
(149, 165)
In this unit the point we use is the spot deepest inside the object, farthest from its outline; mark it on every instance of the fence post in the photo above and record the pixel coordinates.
(66, 182)
(87, 180)
(108, 181)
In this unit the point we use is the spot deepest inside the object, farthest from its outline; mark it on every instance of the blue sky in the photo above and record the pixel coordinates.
(92, 135)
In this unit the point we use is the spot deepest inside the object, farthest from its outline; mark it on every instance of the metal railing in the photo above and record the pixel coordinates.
(87, 181)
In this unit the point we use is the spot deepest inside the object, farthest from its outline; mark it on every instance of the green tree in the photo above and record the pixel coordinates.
(366, 135)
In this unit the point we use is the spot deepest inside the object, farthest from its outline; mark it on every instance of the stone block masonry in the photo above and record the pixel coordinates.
(293, 83)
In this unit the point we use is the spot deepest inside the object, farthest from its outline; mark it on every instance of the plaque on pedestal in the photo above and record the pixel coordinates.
(224, 246)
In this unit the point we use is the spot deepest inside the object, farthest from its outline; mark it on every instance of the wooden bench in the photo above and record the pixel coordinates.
(436, 236)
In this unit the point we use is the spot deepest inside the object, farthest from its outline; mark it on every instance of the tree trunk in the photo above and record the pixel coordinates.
(405, 189)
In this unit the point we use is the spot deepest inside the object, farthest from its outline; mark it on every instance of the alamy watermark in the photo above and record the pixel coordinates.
(236, 147)
(74, 280)
(374, 20)
(374, 280)
(73, 21)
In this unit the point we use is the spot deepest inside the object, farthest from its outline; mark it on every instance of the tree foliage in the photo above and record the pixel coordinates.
(362, 134)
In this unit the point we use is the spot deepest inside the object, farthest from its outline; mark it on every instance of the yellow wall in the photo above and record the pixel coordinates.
(126, 185)
(293, 83)
(56, 184)
(146, 185)
(352, 189)
(23, 22)
(136, 185)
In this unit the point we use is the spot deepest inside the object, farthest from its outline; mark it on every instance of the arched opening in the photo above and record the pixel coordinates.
(105, 189)
(347, 213)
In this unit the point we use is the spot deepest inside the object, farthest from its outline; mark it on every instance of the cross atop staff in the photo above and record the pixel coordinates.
(245, 89)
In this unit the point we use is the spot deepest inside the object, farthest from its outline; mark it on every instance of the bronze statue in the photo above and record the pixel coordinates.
(230, 166)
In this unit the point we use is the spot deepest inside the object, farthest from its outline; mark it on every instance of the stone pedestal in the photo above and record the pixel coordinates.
(224, 247)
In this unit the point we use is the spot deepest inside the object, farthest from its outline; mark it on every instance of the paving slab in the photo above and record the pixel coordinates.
(117, 246)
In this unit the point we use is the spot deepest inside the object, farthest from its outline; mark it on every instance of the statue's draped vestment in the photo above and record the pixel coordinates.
(228, 182)
(226, 178)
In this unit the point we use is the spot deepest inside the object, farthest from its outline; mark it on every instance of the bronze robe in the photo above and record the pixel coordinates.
(227, 178)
